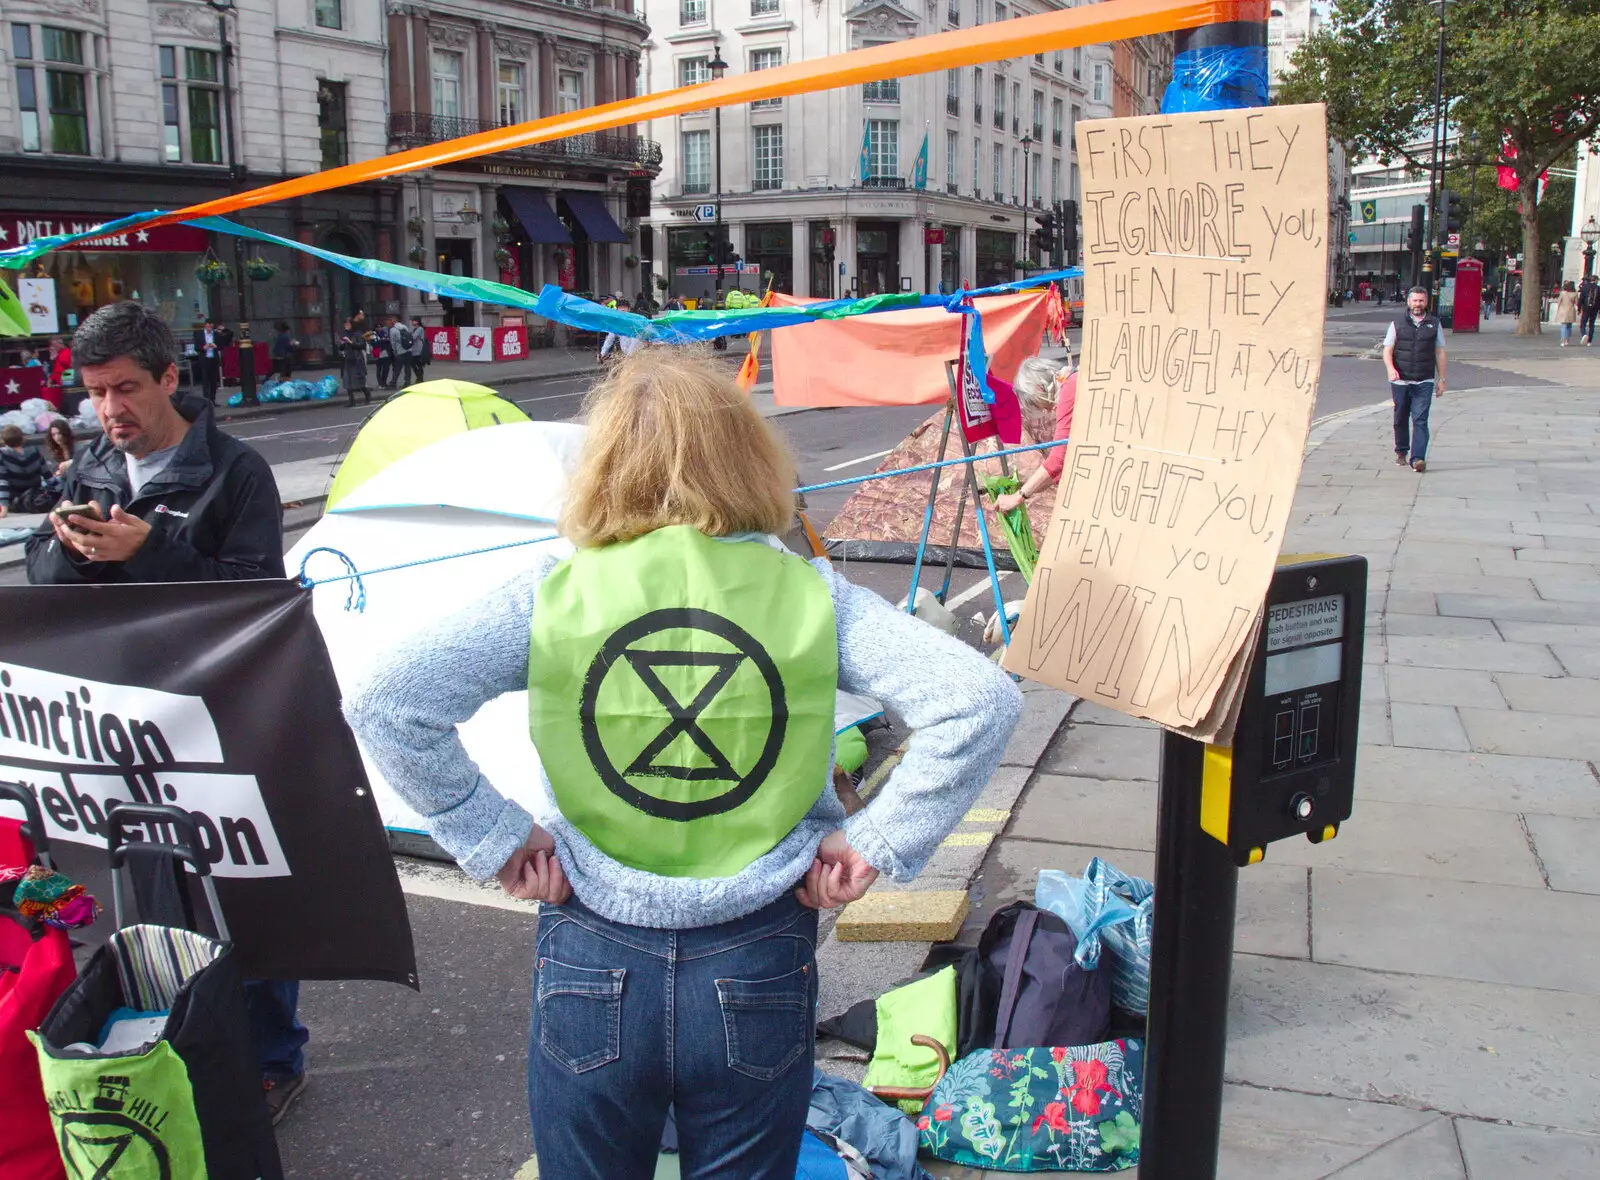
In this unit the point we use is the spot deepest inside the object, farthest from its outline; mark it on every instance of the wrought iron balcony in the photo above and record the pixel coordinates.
(886, 91)
(952, 104)
(883, 182)
(602, 148)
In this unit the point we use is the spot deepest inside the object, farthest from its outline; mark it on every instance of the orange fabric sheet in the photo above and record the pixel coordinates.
(1088, 24)
(896, 358)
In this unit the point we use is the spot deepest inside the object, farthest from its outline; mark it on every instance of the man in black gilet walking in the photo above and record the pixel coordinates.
(1413, 352)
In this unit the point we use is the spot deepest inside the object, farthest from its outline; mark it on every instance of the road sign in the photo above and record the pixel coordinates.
(705, 212)
(1453, 239)
(1369, 212)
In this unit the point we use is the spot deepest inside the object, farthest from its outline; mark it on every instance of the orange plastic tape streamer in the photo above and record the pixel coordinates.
(1090, 24)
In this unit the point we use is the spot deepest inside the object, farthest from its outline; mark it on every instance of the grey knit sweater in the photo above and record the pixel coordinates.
(960, 706)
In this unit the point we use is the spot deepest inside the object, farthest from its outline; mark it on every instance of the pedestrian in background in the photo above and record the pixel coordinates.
(1588, 307)
(421, 351)
(1413, 354)
(209, 341)
(59, 364)
(382, 355)
(400, 348)
(60, 450)
(22, 475)
(283, 346)
(353, 348)
(1567, 311)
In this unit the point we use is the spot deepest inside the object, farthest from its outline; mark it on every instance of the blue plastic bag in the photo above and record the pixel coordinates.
(1106, 907)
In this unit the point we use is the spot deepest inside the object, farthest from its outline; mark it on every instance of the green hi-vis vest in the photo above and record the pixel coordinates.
(680, 695)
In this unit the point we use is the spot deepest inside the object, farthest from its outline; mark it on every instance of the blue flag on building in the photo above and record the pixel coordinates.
(866, 152)
(919, 170)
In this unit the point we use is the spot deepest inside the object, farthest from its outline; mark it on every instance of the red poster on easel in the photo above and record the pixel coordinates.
(981, 419)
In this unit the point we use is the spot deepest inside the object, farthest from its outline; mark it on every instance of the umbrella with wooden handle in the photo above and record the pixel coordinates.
(912, 1093)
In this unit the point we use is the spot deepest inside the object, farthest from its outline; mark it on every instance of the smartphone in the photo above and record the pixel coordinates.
(65, 512)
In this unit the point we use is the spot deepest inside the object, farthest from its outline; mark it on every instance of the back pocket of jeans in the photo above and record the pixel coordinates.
(580, 1014)
(767, 1022)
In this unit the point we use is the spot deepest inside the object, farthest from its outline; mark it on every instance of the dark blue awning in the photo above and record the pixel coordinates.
(590, 210)
(538, 219)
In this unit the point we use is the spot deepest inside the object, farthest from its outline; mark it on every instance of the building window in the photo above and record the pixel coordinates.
(1057, 118)
(691, 12)
(509, 93)
(1036, 193)
(1000, 102)
(1077, 64)
(692, 71)
(331, 123)
(569, 91)
(27, 94)
(764, 7)
(769, 156)
(885, 91)
(999, 11)
(1038, 116)
(952, 92)
(1016, 108)
(1072, 127)
(1058, 61)
(205, 106)
(191, 106)
(1076, 185)
(1055, 181)
(765, 59)
(977, 167)
(977, 94)
(1016, 193)
(952, 149)
(883, 148)
(952, 14)
(697, 161)
(63, 125)
(446, 84)
(330, 14)
(1097, 92)
(999, 173)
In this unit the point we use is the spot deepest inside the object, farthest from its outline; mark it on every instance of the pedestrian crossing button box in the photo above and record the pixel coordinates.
(1291, 768)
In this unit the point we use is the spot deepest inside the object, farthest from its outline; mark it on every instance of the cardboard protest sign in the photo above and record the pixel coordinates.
(1205, 251)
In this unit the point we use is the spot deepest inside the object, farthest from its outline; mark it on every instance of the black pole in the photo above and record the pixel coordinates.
(716, 116)
(1191, 961)
(1191, 956)
(247, 352)
(1431, 266)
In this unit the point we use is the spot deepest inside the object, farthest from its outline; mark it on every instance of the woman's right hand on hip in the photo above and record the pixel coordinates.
(838, 875)
(534, 873)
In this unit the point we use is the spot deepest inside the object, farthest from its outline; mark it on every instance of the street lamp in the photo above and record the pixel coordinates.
(718, 67)
(247, 352)
(1027, 167)
(1590, 233)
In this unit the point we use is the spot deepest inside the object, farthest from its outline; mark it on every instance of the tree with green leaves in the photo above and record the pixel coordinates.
(1520, 79)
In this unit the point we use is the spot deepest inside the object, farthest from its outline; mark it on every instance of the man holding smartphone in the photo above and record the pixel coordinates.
(164, 496)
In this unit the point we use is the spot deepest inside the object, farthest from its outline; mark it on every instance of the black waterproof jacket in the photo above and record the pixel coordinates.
(214, 513)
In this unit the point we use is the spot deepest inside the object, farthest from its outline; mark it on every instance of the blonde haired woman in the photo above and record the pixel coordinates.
(1045, 388)
(681, 670)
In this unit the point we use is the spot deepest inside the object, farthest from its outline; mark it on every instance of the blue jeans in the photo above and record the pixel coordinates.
(1566, 333)
(716, 1022)
(276, 1029)
(1412, 400)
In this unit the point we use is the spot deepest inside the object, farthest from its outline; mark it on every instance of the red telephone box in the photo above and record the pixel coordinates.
(1469, 295)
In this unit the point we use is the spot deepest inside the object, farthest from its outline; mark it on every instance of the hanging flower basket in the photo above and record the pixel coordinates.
(630, 260)
(212, 271)
(417, 254)
(501, 227)
(505, 259)
(260, 269)
(562, 255)
(470, 214)
(414, 224)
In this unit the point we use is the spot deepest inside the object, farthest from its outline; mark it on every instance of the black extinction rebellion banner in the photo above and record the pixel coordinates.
(219, 698)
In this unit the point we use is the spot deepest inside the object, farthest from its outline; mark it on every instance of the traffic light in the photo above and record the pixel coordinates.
(1450, 212)
(708, 251)
(1069, 232)
(1414, 235)
(1044, 238)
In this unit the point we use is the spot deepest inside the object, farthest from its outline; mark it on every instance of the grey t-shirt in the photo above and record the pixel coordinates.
(142, 471)
(1438, 337)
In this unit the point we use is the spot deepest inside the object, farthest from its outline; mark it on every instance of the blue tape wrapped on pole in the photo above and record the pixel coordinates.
(1218, 67)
